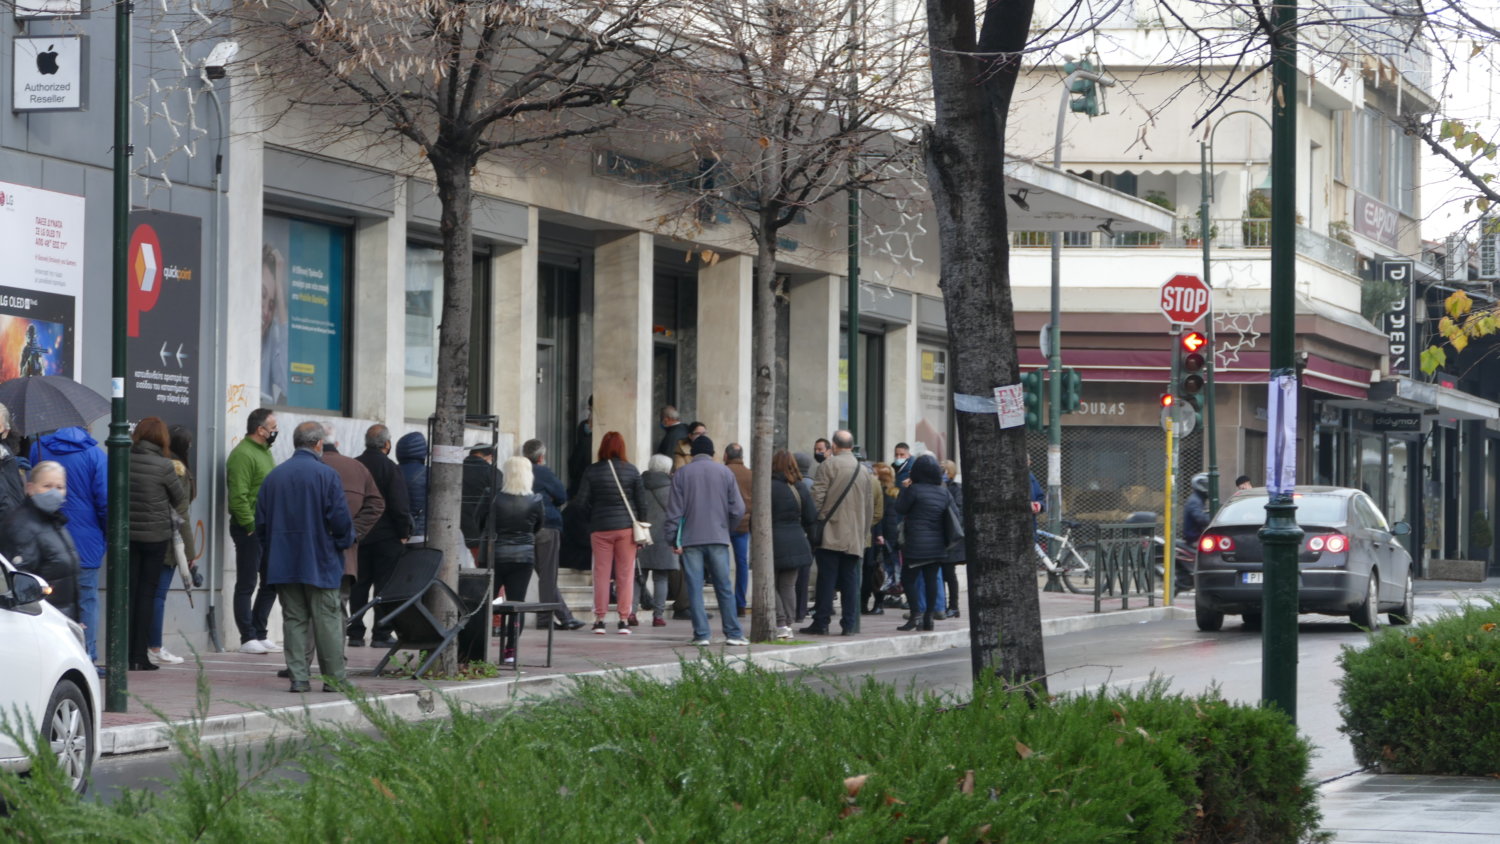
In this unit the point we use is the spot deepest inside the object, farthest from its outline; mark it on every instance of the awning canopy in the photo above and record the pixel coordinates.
(1448, 402)
(1043, 199)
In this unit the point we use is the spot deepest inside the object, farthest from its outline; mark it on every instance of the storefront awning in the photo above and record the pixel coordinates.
(1446, 401)
(1043, 199)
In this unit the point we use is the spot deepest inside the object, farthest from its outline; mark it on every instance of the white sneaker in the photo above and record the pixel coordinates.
(783, 632)
(737, 641)
(162, 656)
(270, 646)
(253, 646)
(702, 643)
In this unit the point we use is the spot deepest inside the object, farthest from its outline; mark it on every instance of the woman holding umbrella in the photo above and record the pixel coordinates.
(156, 493)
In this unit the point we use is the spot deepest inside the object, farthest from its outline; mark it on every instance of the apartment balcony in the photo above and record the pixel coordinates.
(1224, 233)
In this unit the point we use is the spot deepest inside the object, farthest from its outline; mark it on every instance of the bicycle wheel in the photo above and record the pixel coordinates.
(1077, 573)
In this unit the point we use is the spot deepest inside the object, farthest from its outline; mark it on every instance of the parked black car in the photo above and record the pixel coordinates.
(1350, 560)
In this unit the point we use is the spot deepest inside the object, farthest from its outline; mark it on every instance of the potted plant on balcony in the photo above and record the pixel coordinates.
(1193, 236)
(1341, 231)
(1256, 225)
(1161, 200)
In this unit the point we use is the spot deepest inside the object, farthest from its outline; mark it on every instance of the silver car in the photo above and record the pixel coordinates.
(1350, 562)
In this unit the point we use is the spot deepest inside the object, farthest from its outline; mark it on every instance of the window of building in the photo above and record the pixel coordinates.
(304, 314)
(424, 311)
(1384, 161)
(1340, 143)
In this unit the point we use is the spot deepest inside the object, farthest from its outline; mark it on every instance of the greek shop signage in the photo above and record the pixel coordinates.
(48, 73)
(1398, 318)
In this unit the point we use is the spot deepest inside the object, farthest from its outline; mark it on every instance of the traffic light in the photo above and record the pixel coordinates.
(1088, 90)
(1192, 364)
(1032, 386)
(1167, 400)
(1072, 390)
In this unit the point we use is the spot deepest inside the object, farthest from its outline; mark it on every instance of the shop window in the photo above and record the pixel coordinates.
(304, 314)
(424, 311)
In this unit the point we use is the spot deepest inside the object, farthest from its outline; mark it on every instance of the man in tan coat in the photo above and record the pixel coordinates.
(365, 505)
(842, 496)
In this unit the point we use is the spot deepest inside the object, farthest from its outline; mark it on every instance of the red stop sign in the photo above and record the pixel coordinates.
(1185, 299)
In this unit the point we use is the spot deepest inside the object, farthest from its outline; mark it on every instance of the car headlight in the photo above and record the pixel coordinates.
(77, 630)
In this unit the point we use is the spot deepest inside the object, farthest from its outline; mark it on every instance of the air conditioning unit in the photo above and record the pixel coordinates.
(1489, 256)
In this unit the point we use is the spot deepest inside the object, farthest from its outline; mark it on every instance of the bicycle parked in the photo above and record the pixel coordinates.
(1070, 563)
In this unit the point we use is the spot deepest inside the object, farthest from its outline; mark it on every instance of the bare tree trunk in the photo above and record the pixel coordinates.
(445, 489)
(965, 166)
(763, 356)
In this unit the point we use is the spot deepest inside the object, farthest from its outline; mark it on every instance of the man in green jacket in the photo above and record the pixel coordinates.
(248, 465)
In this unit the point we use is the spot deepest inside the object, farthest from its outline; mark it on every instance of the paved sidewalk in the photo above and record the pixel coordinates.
(1402, 809)
(244, 691)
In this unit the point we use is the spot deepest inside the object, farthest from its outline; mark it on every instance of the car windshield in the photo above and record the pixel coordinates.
(1311, 509)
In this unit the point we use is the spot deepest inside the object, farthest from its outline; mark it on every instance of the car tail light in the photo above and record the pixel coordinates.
(1333, 543)
(1210, 543)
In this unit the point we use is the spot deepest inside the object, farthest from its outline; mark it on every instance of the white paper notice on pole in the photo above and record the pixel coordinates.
(41, 237)
(449, 453)
(1281, 451)
(1011, 406)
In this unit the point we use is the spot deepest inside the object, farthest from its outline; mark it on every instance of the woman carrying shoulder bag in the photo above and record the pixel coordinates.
(611, 490)
(157, 492)
(792, 517)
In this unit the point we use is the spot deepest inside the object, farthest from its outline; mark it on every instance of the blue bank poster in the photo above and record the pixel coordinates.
(302, 314)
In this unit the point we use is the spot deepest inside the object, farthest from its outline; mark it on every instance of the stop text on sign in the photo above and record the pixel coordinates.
(1185, 299)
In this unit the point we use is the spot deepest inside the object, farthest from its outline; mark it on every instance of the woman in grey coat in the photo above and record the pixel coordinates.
(656, 561)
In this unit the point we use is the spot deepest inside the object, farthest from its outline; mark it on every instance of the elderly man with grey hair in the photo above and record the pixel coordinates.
(545, 483)
(304, 517)
(12, 479)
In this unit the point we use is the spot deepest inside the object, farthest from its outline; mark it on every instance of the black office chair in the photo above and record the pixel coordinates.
(399, 603)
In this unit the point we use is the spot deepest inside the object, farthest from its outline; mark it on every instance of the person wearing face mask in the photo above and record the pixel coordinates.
(34, 539)
(248, 465)
(901, 465)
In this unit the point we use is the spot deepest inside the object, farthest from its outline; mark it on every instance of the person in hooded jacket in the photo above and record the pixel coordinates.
(656, 560)
(411, 454)
(86, 506)
(34, 538)
(923, 506)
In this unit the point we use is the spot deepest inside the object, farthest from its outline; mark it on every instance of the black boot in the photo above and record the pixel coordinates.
(911, 624)
(926, 621)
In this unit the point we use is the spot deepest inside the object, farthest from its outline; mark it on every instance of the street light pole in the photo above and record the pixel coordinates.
(1281, 537)
(117, 571)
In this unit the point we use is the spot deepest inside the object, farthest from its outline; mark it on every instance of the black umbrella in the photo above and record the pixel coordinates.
(39, 404)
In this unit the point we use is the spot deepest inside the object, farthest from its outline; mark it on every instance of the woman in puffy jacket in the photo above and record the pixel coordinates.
(33, 538)
(610, 491)
(657, 560)
(792, 516)
(923, 508)
(157, 492)
(956, 553)
(516, 514)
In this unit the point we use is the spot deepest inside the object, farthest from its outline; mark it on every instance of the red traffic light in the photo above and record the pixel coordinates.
(1193, 341)
(1167, 399)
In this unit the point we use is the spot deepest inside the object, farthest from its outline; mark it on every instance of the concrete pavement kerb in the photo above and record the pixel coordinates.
(511, 690)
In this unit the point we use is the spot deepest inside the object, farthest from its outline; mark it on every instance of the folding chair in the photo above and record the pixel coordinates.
(399, 604)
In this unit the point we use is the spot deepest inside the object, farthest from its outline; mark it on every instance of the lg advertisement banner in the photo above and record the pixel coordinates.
(41, 237)
(163, 317)
(302, 314)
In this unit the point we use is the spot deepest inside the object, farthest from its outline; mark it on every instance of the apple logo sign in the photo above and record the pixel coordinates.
(46, 62)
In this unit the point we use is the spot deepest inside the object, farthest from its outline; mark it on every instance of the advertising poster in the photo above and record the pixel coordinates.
(302, 314)
(41, 236)
(163, 317)
(932, 401)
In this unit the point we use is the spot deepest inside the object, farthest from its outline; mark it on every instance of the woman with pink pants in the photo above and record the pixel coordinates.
(611, 493)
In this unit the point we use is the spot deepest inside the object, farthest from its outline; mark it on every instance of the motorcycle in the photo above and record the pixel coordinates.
(1184, 557)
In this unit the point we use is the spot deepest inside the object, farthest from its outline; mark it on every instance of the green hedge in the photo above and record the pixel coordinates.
(1426, 699)
(726, 755)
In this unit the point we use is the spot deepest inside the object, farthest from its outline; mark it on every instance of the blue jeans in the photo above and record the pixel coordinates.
(920, 594)
(163, 586)
(837, 572)
(741, 543)
(88, 609)
(715, 559)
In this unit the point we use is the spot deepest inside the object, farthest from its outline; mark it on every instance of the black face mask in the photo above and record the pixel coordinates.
(271, 438)
(820, 456)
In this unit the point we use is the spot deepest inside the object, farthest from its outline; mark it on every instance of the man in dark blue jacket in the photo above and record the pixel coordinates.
(304, 517)
(549, 539)
(381, 549)
(87, 468)
(411, 453)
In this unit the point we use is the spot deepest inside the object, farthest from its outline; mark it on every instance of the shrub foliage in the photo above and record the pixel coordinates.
(731, 755)
(1426, 699)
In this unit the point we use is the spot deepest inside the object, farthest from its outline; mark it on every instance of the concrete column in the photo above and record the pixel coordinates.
(902, 375)
(378, 339)
(513, 336)
(814, 361)
(724, 364)
(622, 341)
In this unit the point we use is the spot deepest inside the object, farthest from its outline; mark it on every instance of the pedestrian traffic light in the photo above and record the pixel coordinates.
(1088, 90)
(1032, 385)
(1072, 390)
(1192, 363)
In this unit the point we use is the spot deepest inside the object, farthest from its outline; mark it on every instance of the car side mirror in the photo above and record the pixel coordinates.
(1400, 529)
(25, 588)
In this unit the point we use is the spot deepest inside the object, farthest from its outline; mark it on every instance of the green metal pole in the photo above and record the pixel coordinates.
(1281, 536)
(1209, 410)
(117, 571)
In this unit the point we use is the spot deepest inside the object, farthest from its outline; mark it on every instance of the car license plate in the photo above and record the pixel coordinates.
(1252, 577)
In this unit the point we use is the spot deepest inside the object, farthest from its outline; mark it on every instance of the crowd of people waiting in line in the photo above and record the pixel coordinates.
(322, 532)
